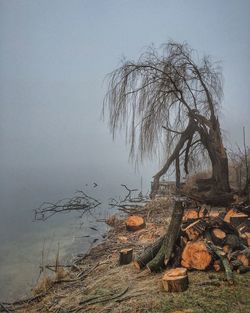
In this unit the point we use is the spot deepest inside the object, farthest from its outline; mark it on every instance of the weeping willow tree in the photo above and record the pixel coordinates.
(170, 101)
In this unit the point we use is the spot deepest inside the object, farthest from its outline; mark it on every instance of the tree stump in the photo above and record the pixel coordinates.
(175, 280)
(126, 256)
(134, 223)
(196, 255)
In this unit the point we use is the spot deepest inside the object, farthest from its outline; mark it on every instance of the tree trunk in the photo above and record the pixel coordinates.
(212, 141)
(164, 254)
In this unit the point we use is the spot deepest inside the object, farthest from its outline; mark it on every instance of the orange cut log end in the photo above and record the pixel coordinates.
(196, 256)
(175, 280)
(134, 223)
(219, 233)
(190, 215)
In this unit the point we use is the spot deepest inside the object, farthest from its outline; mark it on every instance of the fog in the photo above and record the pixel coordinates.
(54, 57)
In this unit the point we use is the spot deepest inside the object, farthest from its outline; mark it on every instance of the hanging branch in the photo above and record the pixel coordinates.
(81, 202)
(246, 189)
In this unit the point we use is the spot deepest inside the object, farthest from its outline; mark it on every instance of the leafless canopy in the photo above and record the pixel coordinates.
(154, 98)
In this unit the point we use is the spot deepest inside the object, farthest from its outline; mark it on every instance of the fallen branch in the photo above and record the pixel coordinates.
(224, 261)
(81, 202)
(4, 308)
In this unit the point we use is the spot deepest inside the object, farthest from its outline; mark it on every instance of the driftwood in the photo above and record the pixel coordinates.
(81, 202)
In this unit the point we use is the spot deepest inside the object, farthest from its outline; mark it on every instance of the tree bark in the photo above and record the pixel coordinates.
(164, 254)
(149, 253)
(126, 256)
(212, 140)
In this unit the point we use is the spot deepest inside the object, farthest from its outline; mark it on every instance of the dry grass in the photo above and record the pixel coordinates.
(44, 283)
(106, 287)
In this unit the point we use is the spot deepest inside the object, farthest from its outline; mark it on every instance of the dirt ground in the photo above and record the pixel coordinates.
(95, 282)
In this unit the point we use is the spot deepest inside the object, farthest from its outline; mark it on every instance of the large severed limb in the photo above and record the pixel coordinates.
(164, 254)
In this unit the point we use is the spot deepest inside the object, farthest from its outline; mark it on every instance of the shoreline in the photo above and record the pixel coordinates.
(96, 283)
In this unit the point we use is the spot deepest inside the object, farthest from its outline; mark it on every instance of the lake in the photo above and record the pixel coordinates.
(23, 239)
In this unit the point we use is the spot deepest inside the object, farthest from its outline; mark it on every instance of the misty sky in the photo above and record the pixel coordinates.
(54, 56)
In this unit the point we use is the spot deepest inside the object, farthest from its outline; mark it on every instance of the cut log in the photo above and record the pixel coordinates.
(149, 253)
(238, 219)
(226, 249)
(228, 215)
(244, 230)
(233, 242)
(243, 269)
(218, 236)
(244, 209)
(178, 271)
(217, 265)
(195, 229)
(224, 261)
(175, 280)
(190, 214)
(196, 256)
(134, 223)
(244, 257)
(217, 222)
(203, 212)
(126, 256)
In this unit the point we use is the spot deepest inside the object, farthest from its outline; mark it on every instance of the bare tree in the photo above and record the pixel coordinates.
(170, 100)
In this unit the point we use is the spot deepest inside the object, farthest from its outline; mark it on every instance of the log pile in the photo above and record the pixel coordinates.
(207, 242)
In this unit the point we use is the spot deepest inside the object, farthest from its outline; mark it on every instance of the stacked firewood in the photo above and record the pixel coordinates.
(214, 240)
(209, 240)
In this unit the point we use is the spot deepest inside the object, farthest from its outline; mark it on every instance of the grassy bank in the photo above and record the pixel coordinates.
(96, 283)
